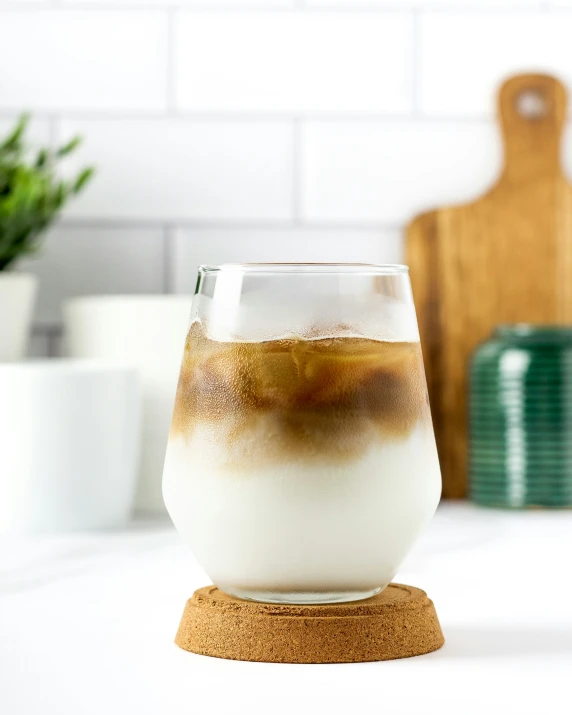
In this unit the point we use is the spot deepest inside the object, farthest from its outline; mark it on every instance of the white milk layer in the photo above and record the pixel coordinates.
(293, 527)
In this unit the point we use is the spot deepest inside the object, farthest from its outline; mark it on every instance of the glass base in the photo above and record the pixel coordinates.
(301, 597)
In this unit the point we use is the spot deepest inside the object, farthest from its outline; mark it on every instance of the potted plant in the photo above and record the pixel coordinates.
(31, 197)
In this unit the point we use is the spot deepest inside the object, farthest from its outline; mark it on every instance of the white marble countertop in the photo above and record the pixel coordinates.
(87, 625)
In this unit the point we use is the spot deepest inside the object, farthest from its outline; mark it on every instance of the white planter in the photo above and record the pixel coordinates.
(70, 432)
(149, 333)
(17, 297)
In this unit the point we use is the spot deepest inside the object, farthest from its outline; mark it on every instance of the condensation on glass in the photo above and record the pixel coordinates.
(301, 463)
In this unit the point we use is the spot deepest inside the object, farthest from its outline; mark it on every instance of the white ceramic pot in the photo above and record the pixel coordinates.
(17, 298)
(70, 432)
(149, 333)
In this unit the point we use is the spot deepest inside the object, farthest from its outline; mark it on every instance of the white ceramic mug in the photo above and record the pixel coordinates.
(17, 298)
(70, 432)
(148, 332)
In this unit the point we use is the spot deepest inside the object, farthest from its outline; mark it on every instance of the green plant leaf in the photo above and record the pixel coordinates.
(83, 178)
(12, 141)
(68, 148)
(31, 192)
(42, 158)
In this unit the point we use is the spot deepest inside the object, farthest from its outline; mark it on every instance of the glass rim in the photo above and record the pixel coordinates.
(381, 269)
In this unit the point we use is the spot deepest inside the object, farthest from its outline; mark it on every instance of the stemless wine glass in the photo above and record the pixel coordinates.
(301, 463)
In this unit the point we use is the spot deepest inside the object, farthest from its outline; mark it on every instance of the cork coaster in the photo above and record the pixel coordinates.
(398, 623)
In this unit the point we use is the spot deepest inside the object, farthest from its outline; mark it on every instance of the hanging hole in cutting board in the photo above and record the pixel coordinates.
(531, 104)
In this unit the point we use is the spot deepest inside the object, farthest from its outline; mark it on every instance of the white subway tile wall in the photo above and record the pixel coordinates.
(192, 247)
(461, 57)
(431, 4)
(195, 3)
(92, 60)
(388, 171)
(294, 62)
(90, 261)
(38, 132)
(237, 130)
(173, 169)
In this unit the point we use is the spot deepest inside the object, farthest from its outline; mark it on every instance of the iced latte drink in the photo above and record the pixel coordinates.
(301, 463)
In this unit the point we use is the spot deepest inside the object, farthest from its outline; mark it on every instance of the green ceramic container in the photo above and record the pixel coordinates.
(520, 418)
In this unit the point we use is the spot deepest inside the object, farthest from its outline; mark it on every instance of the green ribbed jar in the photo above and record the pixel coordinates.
(520, 418)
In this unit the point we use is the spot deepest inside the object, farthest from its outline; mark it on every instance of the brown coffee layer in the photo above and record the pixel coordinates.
(327, 398)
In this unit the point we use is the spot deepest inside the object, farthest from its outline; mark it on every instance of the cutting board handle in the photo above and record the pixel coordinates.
(532, 110)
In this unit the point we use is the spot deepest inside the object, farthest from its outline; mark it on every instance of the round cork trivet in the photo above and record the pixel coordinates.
(397, 623)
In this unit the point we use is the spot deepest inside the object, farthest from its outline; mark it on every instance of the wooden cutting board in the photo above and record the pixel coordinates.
(504, 258)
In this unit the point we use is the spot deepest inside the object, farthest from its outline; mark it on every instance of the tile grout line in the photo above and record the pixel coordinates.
(171, 65)
(297, 6)
(231, 226)
(301, 6)
(260, 117)
(53, 130)
(296, 171)
(54, 334)
(201, 8)
(168, 266)
(415, 62)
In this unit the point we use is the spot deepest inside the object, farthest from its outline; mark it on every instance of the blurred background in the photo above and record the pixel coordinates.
(258, 131)
(284, 130)
(268, 130)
